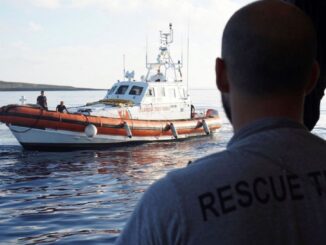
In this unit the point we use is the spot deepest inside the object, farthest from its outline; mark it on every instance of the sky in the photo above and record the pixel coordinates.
(81, 43)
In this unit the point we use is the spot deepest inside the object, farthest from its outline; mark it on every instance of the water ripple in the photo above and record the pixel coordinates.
(83, 196)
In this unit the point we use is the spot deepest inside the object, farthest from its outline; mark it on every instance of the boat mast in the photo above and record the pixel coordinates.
(124, 66)
(164, 58)
(188, 58)
(146, 50)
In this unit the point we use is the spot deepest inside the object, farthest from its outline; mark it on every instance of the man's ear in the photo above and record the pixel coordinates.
(221, 76)
(313, 78)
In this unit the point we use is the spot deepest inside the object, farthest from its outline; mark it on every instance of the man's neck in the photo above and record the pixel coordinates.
(247, 109)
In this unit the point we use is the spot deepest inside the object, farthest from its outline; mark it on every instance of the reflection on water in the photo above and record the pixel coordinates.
(84, 195)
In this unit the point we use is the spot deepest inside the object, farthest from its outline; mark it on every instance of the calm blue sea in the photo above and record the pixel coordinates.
(86, 196)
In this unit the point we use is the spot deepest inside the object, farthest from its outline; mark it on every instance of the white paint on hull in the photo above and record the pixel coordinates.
(27, 135)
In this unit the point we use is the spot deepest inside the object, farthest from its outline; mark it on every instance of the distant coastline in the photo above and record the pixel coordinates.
(17, 86)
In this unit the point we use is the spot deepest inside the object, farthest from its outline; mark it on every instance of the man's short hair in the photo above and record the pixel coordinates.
(268, 51)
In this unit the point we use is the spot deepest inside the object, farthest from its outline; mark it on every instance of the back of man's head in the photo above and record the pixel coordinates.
(269, 47)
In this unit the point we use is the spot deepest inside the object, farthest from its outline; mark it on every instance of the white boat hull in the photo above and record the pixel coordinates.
(50, 139)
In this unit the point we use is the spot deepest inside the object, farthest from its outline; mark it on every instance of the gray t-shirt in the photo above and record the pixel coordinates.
(267, 187)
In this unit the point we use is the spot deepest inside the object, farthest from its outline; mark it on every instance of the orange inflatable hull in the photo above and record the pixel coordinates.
(36, 118)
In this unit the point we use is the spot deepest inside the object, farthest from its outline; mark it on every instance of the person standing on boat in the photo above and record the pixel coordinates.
(268, 186)
(158, 77)
(61, 107)
(42, 101)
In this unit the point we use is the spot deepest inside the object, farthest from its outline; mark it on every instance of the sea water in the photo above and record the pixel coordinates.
(87, 196)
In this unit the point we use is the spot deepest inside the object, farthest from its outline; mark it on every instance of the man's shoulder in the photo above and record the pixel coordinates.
(277, 139)
(245, 157)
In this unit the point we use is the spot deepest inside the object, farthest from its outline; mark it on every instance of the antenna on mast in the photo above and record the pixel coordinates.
(188, 57)
(124, 66)
(171, 33)
(181, 49)
(146, 49)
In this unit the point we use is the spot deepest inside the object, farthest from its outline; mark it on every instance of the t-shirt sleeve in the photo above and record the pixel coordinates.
(156, 219)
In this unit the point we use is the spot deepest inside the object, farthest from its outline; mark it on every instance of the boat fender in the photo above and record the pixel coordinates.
(192, 111)
(127, 128)
(199, 124)
(90, 130)
(167, 127)
(211, 113)
(174, 130)
(206, 128)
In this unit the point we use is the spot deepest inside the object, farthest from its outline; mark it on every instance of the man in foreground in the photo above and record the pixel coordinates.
(269, 185)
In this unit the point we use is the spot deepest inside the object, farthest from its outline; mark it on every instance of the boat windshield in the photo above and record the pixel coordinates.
(136, 90)
(112, 90)
(122, 89)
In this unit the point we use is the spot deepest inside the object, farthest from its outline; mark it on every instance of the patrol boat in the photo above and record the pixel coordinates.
(156, 108)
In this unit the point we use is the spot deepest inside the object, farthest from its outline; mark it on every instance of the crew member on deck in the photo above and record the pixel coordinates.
(61, 107)
(41, 101)
(158, 77)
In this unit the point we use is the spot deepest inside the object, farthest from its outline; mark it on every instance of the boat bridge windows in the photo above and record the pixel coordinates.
(166, 92)
(133, 91)
(122, 89)
(136, 90)
(110, 91)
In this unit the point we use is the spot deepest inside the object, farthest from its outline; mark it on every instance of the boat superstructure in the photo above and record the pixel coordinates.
(157, 107)
(160, 95)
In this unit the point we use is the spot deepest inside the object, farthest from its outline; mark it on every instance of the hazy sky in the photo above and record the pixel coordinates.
(82, 42)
